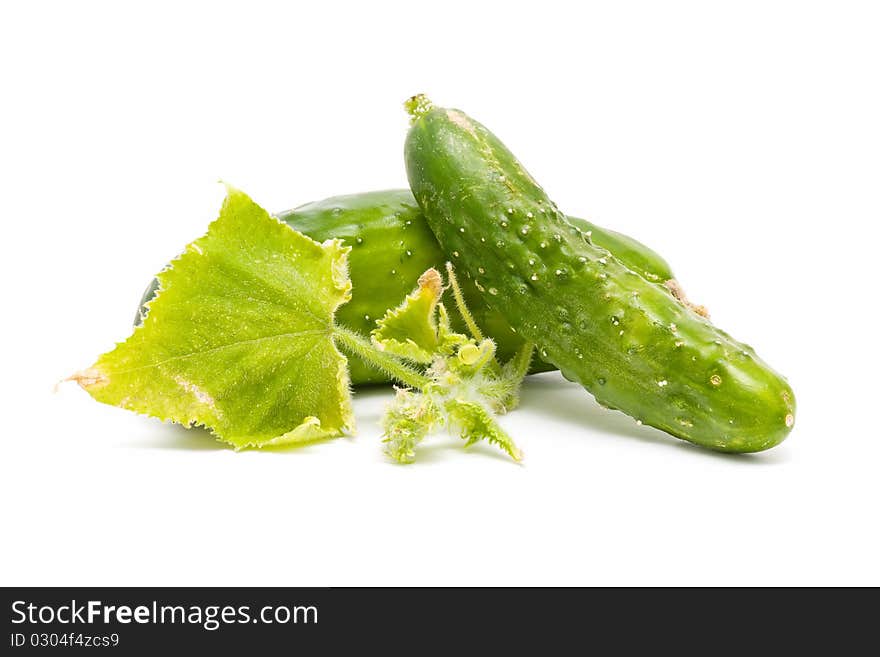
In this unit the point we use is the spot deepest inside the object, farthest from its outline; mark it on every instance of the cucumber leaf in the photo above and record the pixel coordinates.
(412, 330)
(476, 423)
(240, 337)
(465, 386)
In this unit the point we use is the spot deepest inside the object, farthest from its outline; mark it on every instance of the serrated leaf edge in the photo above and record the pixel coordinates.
(309, 430)
(430, 283)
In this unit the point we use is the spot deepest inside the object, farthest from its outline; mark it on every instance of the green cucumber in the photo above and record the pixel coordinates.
(625, 339)
(392, 246)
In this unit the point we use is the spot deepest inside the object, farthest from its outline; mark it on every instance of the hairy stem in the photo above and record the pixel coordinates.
(519, 364)
(469, 320)
(360, 346)
(461, 305)
(515, 371)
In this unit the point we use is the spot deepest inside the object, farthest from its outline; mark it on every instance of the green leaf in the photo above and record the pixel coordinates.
(412, 331)
(463, 387)
(475, 423)
(240, 336)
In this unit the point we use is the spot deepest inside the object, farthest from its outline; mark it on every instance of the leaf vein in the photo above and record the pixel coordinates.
(220, 348)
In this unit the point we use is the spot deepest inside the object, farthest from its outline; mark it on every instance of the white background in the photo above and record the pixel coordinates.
(739, 139)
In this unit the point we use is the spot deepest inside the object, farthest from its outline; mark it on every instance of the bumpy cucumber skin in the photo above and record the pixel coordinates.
(392, 246)
(625, 339)
(629, 251)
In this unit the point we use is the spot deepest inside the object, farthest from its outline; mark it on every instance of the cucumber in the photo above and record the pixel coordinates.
(625, 339)
(392, 246)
